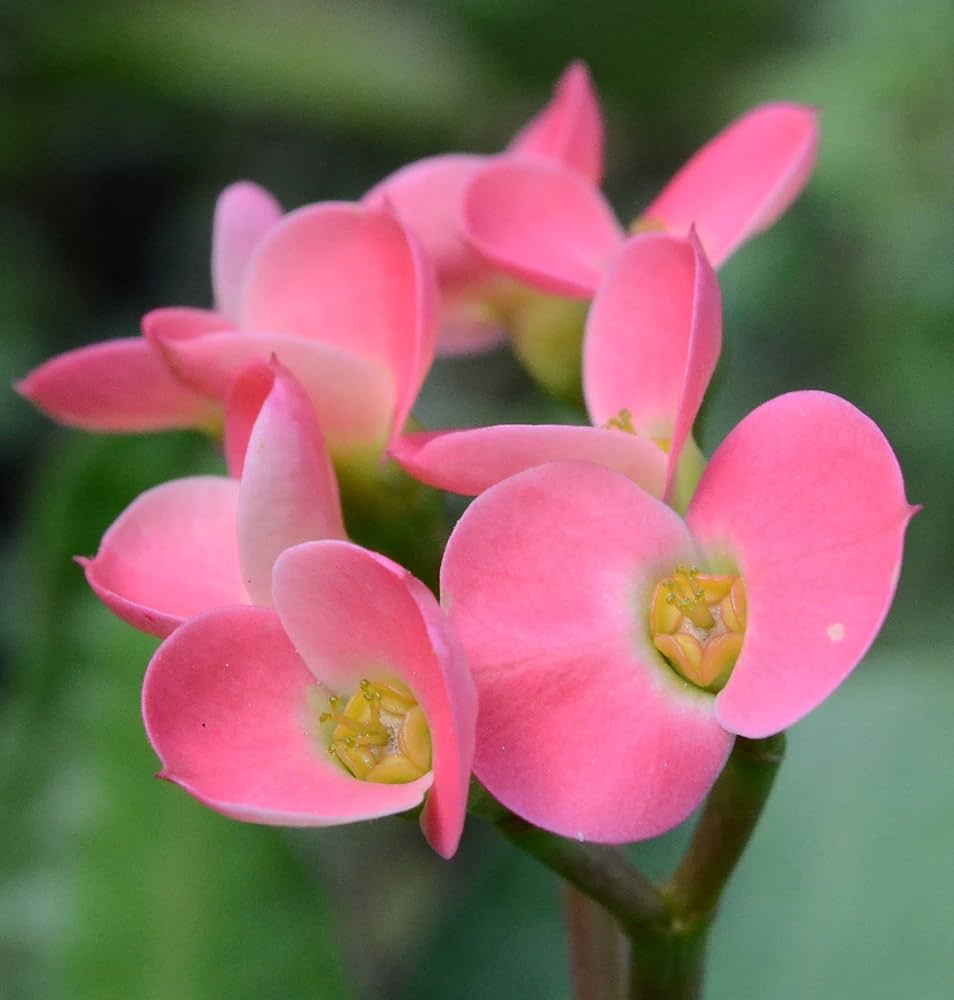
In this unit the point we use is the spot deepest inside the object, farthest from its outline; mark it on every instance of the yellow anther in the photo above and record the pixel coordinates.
(734, 608)
(697, 621)
(414, 738)
(381, 734)
(623, 421)
(718, 659)
(358, 761)
(682, 650)
(393, 770)
(391, 695)
(664, 616)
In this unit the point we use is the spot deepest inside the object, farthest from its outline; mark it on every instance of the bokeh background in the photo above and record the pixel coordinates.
(120, 123)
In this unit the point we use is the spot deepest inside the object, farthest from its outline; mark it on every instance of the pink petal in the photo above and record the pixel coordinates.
(581, 729)
(653, 337)
(231, 711)
(570, 128)
(353, 398)
(741, 181)
(170, 555)
(543, 223)
(244, 213)
(427, 197)
(244, 399)
(351, 278)
(445, 808)
(183, 323)
(806, 496)
(288, 493)
(470, 461)
(115, 385)
(349, 613)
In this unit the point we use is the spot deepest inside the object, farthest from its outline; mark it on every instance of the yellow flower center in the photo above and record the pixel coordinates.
(381, 734)
(697, 621)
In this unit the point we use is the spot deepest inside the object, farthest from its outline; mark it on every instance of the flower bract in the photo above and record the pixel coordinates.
(607, 708)
(350, 700)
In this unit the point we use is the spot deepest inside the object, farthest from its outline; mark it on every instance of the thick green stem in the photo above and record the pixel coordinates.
(668, 963)
(601, 872)
(598, 951)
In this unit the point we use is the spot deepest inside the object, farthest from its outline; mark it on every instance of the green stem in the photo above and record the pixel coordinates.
(597, 949)
(731, 812)
(668, 963)
(667, 928)
(601, 872)
(668, 957)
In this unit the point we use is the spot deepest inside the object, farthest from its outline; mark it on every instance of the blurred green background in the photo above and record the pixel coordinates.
(120, 124)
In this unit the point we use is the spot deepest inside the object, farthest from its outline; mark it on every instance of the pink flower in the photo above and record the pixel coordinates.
(349, 701)
(338, 293)
(651, 343)
(552, 228)
(617, 649)
(208, 541)
(427, 197)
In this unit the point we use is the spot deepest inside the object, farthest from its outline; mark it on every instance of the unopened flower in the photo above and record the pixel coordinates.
(349, 701)
(617, 648)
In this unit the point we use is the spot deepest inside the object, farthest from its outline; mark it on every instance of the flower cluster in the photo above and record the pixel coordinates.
(614, 610)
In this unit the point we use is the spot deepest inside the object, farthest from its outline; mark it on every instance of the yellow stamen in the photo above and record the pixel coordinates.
(381, 734)
(623, 421)
(414, 738)
(697, 621)
(394, 770)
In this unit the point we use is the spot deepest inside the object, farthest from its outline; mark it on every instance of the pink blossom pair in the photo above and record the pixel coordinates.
(274, 617)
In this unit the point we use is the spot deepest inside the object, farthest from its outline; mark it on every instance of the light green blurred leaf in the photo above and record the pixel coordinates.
(848, 887)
